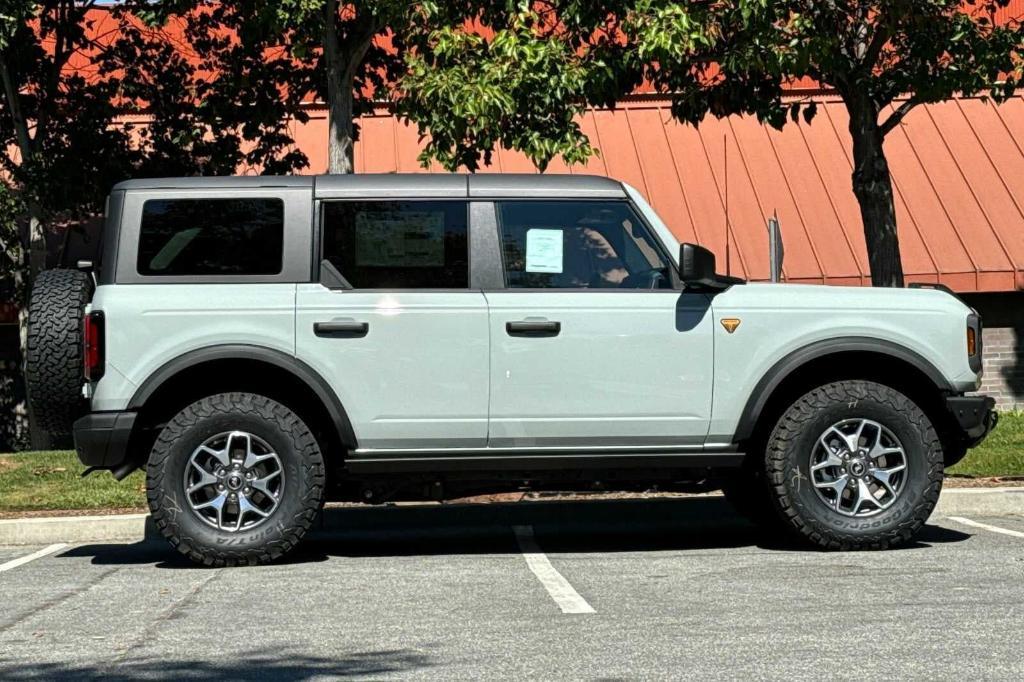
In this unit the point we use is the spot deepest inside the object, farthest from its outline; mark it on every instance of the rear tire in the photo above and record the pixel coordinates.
(54, 372)
(878, 466)
(216, 508)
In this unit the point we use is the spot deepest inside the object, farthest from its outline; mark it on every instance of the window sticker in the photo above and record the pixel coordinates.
(408, 239)
(544, 251)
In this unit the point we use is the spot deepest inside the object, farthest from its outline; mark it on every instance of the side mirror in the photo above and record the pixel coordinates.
(696, 264)
(697, 269)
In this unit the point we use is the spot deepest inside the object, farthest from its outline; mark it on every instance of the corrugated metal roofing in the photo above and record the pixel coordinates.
(958, 177)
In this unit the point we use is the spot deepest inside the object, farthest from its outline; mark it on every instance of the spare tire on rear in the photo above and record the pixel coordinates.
(54, 371)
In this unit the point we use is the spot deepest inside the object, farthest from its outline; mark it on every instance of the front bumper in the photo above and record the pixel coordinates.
(101, 438)
(975, 415)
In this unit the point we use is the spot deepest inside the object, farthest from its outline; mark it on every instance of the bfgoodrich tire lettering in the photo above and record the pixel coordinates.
(54, 372)
(300, 458)
(787, 463)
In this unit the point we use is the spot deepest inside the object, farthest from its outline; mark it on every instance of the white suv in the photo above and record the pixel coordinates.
(262, 344)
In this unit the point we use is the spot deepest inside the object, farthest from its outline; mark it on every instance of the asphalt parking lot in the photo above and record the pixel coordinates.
(677, 588)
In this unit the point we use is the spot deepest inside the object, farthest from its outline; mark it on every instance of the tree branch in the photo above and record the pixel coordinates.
(14, 107)
(896, 117)
(878, 42)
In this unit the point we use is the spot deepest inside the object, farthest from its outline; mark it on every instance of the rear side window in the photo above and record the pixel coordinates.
(211, 237)
(398, 244)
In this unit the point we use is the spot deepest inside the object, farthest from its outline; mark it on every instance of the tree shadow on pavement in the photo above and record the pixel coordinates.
(577, 526)
(258, 665)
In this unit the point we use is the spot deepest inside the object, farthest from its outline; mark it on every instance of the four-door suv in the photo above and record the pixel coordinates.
(261, 344)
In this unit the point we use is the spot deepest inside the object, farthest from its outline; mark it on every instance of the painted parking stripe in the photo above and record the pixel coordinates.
(994, 529)
(567, 598)
(21, 561)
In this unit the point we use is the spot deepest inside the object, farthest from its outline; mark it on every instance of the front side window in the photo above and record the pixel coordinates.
(211, 237)
(398, 244)
(578, 245)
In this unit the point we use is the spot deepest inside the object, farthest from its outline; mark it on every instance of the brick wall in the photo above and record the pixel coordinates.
(1004, 366)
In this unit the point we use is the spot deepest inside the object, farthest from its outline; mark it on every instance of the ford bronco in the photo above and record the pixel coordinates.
(262, 344)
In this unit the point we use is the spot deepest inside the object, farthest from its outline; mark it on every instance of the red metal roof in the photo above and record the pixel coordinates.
(958, 175)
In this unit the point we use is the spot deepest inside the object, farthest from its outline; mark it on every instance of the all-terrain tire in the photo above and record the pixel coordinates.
(301, 498)
(54, 371)
(787, 465)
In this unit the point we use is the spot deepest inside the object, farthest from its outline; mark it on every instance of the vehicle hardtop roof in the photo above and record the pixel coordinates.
(385, 185)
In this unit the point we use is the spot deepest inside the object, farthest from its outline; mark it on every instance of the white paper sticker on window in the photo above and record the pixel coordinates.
(544, 251)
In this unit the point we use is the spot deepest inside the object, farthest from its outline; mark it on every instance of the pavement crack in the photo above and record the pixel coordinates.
(57, 600)
(165, 615)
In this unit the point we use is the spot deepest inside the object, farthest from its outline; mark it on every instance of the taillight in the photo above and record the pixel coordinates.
(975, 343)
(92, 352)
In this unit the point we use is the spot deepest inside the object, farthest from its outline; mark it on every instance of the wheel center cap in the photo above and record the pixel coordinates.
(234, 482)
(857, 468)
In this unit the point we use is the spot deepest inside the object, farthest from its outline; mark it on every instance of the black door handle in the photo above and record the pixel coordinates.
(343, 329)
(533, 328)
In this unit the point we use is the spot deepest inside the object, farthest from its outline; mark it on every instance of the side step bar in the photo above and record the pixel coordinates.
(380, 463)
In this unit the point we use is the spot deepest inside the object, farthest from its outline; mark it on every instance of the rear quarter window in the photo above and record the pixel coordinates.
(211, 237)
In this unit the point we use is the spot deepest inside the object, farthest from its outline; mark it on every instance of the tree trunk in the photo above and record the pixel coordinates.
(872, 185)
(339, 98)
(342, 62)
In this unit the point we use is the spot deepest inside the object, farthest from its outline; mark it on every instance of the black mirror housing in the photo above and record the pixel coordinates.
(697, 269)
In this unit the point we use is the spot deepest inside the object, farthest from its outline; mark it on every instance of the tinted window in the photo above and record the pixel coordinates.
(211, 237)
(578, 245)
(398, 244)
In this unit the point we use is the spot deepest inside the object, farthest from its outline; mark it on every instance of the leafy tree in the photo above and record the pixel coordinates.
(883, 58)
(725, 57)
(65, 85)
(346, 54)
(518, 76)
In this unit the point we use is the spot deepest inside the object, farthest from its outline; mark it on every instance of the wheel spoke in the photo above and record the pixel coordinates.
(879, 451)
(833, 431)
(263, 484)
(252, 459)
(833, 460)
(837, 486)
(221, 456)
(884, 476)
(863, 495)
(205, 479)
(232, 446)
(244, 507)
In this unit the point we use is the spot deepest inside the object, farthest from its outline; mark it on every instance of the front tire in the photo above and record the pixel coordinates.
(235, 479)
(854, 465)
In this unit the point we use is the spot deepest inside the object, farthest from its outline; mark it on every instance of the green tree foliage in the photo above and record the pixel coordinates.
(515, 74)
(723, 57)
(882, 58)
(277, 55)
(69, 70)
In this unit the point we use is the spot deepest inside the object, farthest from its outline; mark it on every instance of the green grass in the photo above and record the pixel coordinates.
(1001, 454)
(34, 481)
(37, 481)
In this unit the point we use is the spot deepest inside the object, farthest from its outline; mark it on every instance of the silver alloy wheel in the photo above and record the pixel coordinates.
(858, 467)
(234, 481)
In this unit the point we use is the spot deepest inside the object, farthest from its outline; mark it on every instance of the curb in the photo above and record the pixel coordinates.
(463, 520)
(70, 529)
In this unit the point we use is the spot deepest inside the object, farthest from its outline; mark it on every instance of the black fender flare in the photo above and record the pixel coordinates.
(778, 372)
(306, 374)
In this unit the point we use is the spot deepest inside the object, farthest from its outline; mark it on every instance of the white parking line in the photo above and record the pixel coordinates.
(994, 529)
(21, 561)
(567, 598)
